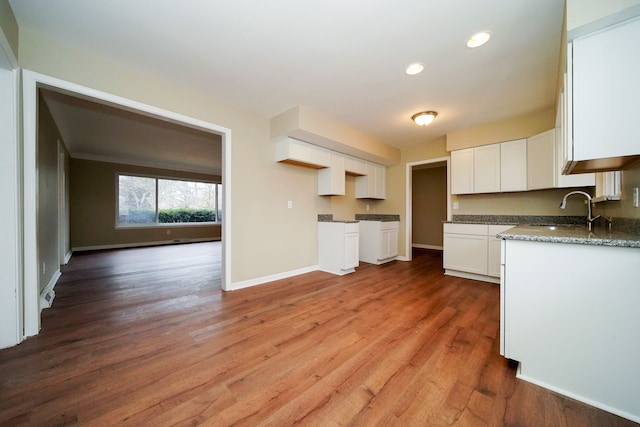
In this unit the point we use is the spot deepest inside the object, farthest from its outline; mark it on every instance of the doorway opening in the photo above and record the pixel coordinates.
(426, 210)
(32, 84)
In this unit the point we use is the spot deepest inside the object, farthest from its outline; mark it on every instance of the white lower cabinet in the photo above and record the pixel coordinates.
(378, 241)
(338, 247)
(472, 250)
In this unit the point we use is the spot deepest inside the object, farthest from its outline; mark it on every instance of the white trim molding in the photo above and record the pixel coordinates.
(145, 244)
(434, 247)
(273, 277)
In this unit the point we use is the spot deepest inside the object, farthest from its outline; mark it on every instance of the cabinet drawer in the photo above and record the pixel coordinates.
(477, 229)
(351, 227)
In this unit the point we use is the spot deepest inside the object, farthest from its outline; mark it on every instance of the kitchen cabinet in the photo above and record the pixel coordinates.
(378, 241)
(486, 169)
(472, 250)
(338, 247)
(462, 171)
(544, 163)
(495, 249)
(292, 151)
(490, 168)
(513, 165)
(608, 186)
(356, 167)
(331, 180)
(602, 93)
(373, 184)
(570, 318)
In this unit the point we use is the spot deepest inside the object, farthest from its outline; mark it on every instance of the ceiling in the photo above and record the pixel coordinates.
(344, 58)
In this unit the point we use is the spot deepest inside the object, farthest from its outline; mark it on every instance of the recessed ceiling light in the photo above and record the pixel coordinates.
(415, 68)
(478, 39)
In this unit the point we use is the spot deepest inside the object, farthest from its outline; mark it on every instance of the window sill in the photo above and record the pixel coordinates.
(166, 225)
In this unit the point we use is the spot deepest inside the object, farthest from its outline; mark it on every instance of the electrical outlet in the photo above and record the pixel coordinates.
(635, 197)
(367, 206)
(44, 267)
(290, 204)
(168, 232)
(456, 206)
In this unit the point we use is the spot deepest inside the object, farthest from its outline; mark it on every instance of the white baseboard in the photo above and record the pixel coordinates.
(472, 276)
(591, 402)
(67, 257)
(48, 294)
(273, 277)
(420, 246)
(143, 244)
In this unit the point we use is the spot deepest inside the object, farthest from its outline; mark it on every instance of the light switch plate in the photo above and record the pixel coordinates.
(290, 204)
(635, 197)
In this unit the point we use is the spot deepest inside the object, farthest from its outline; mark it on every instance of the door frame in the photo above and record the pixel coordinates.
(409, 199)
(11, 317)
(31, 81)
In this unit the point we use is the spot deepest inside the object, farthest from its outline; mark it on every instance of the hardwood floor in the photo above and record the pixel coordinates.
(146, 337)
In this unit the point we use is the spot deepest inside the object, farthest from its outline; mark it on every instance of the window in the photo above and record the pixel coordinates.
(148, 201)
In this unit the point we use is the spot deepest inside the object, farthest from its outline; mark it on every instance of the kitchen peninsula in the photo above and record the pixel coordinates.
(569, 312)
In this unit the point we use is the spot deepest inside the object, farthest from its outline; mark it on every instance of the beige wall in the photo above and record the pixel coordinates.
(93, 207)
(429, 205)
(48, 243)
(9, 26)
(396, 202)
(267, 237)
(505, 130)
(623, 208)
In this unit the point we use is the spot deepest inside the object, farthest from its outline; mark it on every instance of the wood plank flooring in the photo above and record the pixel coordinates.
(145, 337)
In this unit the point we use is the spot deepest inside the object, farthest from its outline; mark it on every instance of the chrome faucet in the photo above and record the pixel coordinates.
(590, 219)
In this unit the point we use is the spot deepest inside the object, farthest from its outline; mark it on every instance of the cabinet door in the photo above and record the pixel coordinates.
(486, 169)
(380, 187)
(541, 166)
(462, 171)
(331, 180)
(606, 89)
(513, 165)
(464, 252)
(389, 243)
(351, 246)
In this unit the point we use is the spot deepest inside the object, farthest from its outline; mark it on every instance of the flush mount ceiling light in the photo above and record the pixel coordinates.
(415, 68)
(424, 118)
(478, 39)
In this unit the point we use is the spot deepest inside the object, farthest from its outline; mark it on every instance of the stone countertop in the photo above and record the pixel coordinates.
(378, 217)
(329, 218)
(573, 234)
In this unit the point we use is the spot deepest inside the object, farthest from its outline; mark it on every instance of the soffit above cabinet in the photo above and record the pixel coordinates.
(307, 125)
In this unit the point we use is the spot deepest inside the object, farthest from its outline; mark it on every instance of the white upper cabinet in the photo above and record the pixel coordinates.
(513, 165)
(602, 91)
(540, 156)
(373, 184)
(462, 171)
(544, 163)
(331, 181)
(292, 151)
(486, 168)
(353, 166)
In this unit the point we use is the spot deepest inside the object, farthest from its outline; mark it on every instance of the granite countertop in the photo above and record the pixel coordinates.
(575, 234)
(329, 218)
(378, 217)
